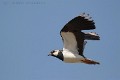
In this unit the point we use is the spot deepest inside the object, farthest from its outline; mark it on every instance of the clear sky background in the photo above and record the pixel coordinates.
(29, 30)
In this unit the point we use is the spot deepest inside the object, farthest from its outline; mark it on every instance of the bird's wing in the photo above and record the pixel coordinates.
(72, 36)
(73, 42)
(82, 22)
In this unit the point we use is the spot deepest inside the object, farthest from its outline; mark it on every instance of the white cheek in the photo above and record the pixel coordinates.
(56, 53)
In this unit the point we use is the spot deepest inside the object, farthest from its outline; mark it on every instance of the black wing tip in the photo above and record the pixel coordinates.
(85, 21)
(92, 36)
(86, 16)
(81, 22)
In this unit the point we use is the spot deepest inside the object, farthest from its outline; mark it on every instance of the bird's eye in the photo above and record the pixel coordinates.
(52, 51)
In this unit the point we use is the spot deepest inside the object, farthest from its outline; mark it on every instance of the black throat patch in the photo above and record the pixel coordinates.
(60, 55)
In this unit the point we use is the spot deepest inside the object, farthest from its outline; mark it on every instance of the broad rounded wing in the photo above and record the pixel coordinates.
(72, 36)
(82, 22)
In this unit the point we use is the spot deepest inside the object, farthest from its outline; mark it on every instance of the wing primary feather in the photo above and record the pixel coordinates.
(79, 23)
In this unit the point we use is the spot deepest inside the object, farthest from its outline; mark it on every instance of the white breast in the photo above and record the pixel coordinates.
(72, 58)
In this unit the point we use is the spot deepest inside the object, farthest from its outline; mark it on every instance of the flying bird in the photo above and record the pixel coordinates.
(74, 40)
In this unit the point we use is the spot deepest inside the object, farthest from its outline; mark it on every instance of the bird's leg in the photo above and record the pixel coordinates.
(84, 44)
(84, 48)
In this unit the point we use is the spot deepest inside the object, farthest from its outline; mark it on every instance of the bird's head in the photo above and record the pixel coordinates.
(54, 53)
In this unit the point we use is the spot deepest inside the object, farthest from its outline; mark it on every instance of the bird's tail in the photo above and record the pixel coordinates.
(92, 36)
(88, 61)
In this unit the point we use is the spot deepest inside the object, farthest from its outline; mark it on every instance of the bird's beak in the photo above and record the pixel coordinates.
(49, 54)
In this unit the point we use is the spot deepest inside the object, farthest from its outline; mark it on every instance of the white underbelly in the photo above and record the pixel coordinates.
(72, 58)
(67, 60)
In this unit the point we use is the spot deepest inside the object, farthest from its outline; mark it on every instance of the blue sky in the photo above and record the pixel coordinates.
(29, 30)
